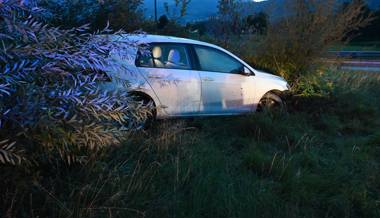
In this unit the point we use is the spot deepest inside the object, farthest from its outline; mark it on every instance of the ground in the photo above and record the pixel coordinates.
(320, 158)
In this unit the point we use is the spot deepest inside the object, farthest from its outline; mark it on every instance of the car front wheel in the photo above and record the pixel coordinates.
(271, 102)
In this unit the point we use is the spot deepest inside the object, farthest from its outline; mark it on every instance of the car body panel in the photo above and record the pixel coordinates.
(178, 93)
(226, 93)
(267, 82)
(127, 77)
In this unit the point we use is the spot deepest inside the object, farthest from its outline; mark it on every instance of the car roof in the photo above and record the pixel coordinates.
(147, 38)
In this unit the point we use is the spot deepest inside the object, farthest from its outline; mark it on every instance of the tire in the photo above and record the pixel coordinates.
(271, 102)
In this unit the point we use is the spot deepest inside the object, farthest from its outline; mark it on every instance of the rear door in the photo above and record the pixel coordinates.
(168, 69)
(225, 90)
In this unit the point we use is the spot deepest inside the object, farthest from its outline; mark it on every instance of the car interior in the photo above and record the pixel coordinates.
(170, 56)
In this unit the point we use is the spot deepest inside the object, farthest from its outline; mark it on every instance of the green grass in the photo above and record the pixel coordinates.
(319, 159)
(357, 46)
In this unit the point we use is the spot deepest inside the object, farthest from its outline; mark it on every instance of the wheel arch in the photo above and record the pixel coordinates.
(275, 91)
(145, 96)
(142, 95)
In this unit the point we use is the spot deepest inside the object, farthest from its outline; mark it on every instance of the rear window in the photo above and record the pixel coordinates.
(169, 56)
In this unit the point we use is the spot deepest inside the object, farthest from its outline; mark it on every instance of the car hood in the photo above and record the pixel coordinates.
(269, 76)
(279, 82)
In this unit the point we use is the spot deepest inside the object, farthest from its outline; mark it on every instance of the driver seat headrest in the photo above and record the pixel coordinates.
(157, 52)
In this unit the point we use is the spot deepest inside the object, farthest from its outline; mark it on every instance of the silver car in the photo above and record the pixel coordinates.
(183, 77)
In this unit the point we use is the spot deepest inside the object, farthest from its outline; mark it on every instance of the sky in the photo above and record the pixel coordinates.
(202, 9)
(197, 9)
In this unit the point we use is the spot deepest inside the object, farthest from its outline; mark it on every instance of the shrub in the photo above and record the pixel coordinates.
(228, 21)
(51, 103)
(295, 43)
(125, 14)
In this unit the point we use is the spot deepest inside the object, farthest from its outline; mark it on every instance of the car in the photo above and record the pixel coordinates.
(186, 78)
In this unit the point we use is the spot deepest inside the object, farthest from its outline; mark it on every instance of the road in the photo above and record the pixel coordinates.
(368, 61)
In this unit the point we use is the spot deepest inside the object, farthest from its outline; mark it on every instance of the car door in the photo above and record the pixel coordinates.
(168, 69)
(227, 87)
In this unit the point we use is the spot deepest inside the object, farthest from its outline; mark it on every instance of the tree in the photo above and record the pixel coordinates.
(257, 23)
(295, 43)
(123, 14)
(162, 22)
(178, 10)
(198, 27)
(229, 16)
(370, 32)
(228, 20)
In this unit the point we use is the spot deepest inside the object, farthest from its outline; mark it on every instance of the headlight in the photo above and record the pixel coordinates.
(288, 86)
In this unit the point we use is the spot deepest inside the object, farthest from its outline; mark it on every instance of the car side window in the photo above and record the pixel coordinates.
(213, 60)
(165, 55)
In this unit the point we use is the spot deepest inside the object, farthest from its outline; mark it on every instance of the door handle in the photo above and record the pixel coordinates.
(208, 79)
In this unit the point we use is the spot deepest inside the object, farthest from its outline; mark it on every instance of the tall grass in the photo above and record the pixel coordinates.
(319, 159)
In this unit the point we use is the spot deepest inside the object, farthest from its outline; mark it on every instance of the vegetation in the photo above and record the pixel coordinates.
(320, 159)
(69, 150)
(257, 23)
(50, 100)
(357, 46)
(120, 14)
(291, 45)
(369, 33)
(294, 45)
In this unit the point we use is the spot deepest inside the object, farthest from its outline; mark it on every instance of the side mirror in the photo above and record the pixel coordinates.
(246, 72)
(242, 71)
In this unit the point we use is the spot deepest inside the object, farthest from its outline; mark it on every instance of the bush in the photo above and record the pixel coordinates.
(294, 44)
(122, 14)
(50, 101)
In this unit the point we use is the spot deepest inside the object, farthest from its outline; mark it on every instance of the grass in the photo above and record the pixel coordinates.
(358, 46)
(319, 159)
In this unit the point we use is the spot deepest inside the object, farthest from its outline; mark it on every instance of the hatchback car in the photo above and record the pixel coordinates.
(183, 77)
